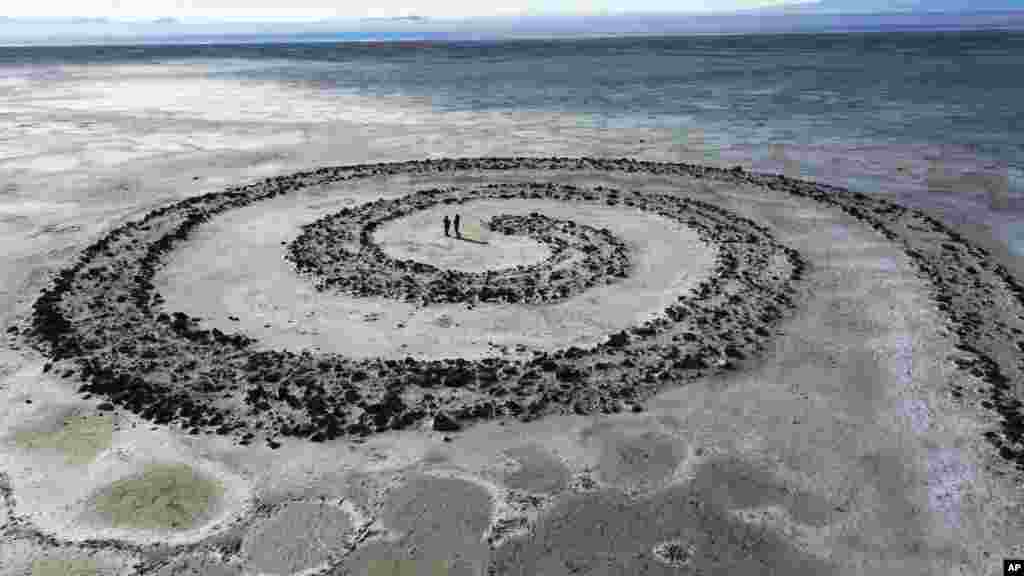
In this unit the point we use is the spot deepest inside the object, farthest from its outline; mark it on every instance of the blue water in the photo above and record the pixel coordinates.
(962, 87)
(843, 94)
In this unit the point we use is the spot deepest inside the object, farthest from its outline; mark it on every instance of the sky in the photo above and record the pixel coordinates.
(66, 22)
(313, 10)
(305, 10)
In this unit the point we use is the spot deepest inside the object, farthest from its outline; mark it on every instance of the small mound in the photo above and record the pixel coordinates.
(79, 437)
(163, 497)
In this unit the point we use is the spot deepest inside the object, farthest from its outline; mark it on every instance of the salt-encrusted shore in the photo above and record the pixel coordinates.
(673, 496)
(601, 258)
(90, 309)
(99, 323)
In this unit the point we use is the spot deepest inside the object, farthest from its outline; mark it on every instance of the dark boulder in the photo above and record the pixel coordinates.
(445, 423)
(618, 340)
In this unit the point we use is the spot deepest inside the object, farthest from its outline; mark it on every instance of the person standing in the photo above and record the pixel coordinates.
(457, 233)
(447, 224)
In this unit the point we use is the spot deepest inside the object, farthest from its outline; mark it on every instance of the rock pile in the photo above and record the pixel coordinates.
(101, 320)
(339, 253)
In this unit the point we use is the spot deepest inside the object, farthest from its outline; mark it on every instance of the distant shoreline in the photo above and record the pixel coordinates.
(419, 29)
(340, 39)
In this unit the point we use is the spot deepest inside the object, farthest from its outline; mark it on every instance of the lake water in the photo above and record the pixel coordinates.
(931, 118)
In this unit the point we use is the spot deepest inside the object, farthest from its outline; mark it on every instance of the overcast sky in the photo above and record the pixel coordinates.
(318, 9)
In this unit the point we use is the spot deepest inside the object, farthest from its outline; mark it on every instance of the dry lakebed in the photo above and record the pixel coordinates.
(619, 367)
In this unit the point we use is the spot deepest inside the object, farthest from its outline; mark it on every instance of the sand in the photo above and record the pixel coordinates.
(854, 443)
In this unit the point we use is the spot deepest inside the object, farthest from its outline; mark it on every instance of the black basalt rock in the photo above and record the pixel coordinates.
(443, 422)
(618, 339)
(162, 365)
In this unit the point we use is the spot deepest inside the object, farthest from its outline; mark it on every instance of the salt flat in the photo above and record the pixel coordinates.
(839, 451)
(239, 258)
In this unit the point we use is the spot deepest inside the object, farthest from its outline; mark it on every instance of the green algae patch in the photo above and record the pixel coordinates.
(163, 497)
(79, 437)
(64, 567)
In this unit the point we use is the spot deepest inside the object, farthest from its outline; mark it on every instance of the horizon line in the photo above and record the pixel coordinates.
(787, 9)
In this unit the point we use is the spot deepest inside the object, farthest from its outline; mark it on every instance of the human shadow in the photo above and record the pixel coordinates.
(474, 241)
